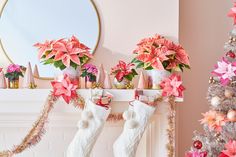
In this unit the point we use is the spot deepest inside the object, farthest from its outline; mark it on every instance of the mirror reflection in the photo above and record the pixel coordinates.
(26, 22)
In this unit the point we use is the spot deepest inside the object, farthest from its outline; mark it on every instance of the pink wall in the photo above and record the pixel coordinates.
(204, 29)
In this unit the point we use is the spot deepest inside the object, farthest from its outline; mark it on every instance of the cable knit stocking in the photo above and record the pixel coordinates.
(137, 117)
(90, 126)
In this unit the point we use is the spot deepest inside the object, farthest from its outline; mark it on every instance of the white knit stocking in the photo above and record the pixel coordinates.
(90, 126)
(137, 117)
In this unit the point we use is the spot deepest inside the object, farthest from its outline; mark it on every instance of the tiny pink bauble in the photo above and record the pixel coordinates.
(231, 115)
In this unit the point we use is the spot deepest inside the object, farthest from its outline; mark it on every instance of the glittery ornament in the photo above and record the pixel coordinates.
(228, 93)
(197, 144)
(231, 115)
(211, 80)
(215, 101)
(231, 54)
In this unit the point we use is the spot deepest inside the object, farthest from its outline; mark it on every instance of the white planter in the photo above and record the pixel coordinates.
(71, 72)
(155, 77)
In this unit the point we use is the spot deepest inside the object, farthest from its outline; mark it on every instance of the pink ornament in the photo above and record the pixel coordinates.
(142, 81)
(36, 71)
(3, 83)
(28, 81)
(107, 81)
(101, 75)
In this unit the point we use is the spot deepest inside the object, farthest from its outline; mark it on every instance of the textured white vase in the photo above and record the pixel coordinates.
(71, 72)
(154, 77)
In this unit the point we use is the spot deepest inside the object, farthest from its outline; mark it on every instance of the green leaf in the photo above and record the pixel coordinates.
(187, 66)
(134, 72)
(49, 61)
(74, 65)
(134, 60)
(140, 65)
(149, 68)
(129, 77)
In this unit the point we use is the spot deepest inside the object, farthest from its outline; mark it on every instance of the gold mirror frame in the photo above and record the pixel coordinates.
(50, 78)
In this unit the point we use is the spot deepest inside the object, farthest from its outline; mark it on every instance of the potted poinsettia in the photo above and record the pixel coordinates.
(89, 72)
(13, 74)
(159, 57)
(65, 54)
(124, 74)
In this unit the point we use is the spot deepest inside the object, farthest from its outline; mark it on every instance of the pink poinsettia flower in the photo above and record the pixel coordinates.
(67, 52)
(196, 154)
(78, 43)
(232, 13)
(13, 68)
(230, 149)
(172, 86)
(225, 70)
(66, 88)
(214, 120)
(44, 47)
(122, 69)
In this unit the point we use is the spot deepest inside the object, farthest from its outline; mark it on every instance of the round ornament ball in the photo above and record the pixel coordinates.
(231, 54)
(215, 101)
(197, 144)
(231, 115)
(228, 93)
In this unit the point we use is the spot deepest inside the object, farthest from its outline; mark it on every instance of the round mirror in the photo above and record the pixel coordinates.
(26, 22)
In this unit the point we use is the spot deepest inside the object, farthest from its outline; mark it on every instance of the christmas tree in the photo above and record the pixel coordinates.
(219, 123)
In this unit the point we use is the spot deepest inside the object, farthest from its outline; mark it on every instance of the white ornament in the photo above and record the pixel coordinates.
(131, 124)
(129, 114)
(83, 124)
(215, 101)
(228, 93)
(87, 115)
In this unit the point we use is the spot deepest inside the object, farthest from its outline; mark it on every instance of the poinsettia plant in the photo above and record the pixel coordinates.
(123, 70)
(89, 71)
(161, 54)
(13, 72)
(172, 86)
(63, 53)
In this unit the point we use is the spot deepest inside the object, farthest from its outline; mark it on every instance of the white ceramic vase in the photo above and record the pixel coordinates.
(155, 77)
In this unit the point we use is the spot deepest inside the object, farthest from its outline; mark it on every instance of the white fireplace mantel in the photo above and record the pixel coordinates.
(19, 108)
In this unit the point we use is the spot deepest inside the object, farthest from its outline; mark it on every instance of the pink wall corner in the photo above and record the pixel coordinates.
(204, 29)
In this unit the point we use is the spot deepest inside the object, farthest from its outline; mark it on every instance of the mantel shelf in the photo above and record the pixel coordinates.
(38, 95)
(32, 100)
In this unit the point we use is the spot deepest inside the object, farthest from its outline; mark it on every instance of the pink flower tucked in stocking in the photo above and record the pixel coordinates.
(172, 86)
(225, 70)
(66, 88)
(230, 149)
(196, 154)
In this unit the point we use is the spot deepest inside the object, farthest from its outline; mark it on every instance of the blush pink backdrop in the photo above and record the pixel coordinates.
(203, 31)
